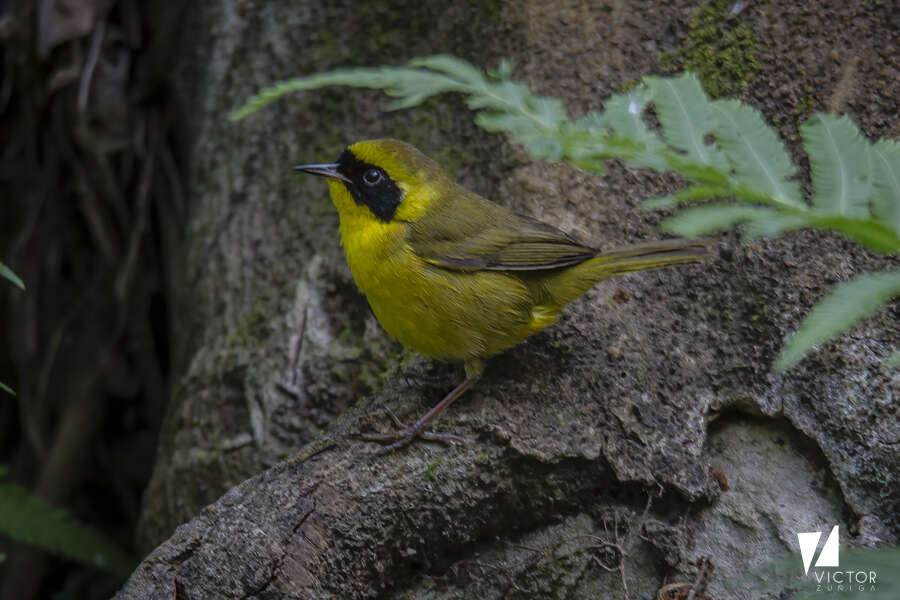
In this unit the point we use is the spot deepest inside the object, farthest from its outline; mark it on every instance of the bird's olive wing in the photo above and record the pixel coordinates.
(472, 234)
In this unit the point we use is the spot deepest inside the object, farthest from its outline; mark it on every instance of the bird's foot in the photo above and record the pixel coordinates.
(406, 434)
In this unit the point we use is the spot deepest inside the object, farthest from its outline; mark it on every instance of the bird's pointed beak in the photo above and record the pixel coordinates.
(328, 170)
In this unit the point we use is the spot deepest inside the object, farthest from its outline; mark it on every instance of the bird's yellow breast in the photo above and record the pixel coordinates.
(443, 314)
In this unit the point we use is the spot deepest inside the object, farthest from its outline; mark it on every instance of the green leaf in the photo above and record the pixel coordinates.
(585, 149)
(696, 192)
(685, 116)
(624, 118)
(659, 203)
(549, 110)
(544, 147)
(772, 224)
(701, 220)
(504, 121)
(592, 121)
(7, 273)
(886, 179)
(868, 232)
(457, 68)
(7, 389)
(841, 167)
(756, 154)
(504, 95)
(699, 172)
(411, 86)
(504, 70)
(28, 518)
(847, 304)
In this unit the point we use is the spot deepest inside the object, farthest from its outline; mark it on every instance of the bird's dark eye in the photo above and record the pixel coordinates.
(372, 177)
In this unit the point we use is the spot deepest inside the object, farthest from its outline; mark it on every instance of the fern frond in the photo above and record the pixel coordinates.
(685, 116)
(772, 224)
(692, 193)
(709, 218)
(457, 68)
(872, 233)
(623, 118)
(411, 86)
(847, 304)
(756, 155)
(840, 163)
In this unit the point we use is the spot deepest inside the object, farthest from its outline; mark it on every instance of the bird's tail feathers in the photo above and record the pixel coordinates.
(650, 255)
(573, 281)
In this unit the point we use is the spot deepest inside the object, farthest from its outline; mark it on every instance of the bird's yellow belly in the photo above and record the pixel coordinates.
(416, 316)
(443, 314)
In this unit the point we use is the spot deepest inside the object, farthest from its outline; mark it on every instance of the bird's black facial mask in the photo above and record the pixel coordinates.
(370, 186)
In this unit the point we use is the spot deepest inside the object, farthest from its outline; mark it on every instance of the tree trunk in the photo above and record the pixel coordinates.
(607, 455)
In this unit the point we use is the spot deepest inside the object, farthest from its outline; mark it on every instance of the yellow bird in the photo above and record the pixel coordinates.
(452, 275)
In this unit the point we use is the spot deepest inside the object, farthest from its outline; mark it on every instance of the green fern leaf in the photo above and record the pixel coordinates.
(847, 304)
(707, 175)
(623, 118)
(549, 110)
(591, 121)
(886, 200)
(27, 518)
(543, 147)
(503, 95)
(504, 70)
(772, 224)
(500, 96)
(7, 273)
(709, 218)
(516, 124)
(585, 144)
(756, 154)
(411, 86)
(692, 193)
(659, 203)
(685, 116)
(840, 162)
(457, 68)
(869, 232)
(584, 150)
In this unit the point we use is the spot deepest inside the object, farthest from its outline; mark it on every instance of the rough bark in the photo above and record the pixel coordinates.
(607, 453)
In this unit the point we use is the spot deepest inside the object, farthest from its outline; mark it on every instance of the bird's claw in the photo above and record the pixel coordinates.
(405, 434)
